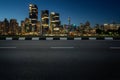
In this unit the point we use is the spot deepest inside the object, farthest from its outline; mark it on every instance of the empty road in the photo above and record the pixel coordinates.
(60, 60)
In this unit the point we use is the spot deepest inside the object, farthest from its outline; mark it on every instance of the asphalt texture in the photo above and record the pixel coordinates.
(60, 60)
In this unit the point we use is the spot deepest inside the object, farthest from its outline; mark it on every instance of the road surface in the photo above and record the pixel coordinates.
(60, 60)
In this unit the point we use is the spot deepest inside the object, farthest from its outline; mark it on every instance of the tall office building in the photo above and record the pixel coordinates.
(69, 21)
(33, 16)
(6, 27)
(111, 27)
(55, 22)
(38, 28)
(22, 27)
(13, 27)
(1, 27)
(45, 21)
(25, 26)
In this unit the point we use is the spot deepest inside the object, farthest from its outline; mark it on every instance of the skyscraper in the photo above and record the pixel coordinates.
(6, 26)
(13, 27)
(45, 21)
(33, 16)
(1, 27)
(22, 27)
(38, 28)
(25, 26)
(69, 21)
(55, 22)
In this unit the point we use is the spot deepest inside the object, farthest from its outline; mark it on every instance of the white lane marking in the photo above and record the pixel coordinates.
(8, 47)
(62, 47)
(114, 47)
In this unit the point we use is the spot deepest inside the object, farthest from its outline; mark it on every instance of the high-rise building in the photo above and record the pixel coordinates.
(45, 21)
(1, 28)
(19, 30)
(22, 27)
(69, 21)
(27, 26)
(55, 22)
(111, 26)
(13, 27)
(6, 27)
(38, 28)
(33, 16)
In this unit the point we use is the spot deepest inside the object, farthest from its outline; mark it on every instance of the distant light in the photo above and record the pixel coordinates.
(56, 29)
(105, 24)
(53, 13)
(30, 4)
(74, 25)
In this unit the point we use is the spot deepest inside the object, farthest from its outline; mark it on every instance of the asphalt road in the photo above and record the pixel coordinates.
(60, 60)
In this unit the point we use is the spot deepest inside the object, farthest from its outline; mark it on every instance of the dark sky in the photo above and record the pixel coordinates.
(80, 11)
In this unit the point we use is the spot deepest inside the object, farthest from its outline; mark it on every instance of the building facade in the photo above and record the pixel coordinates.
(5, 27)
(55, 22)
(45, 21)
(38, 32)
(13, 27)
(33, 17)
(111, 26)
(22, 27)
(1, 28)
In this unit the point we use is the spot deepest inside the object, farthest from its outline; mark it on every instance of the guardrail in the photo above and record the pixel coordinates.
(59, 38)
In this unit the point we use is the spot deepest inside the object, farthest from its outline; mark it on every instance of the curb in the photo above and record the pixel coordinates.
(61, 38)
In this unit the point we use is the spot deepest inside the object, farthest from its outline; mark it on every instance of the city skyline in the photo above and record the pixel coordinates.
(80, 11)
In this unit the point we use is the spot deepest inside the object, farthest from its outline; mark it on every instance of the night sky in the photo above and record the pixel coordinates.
(80, 11)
